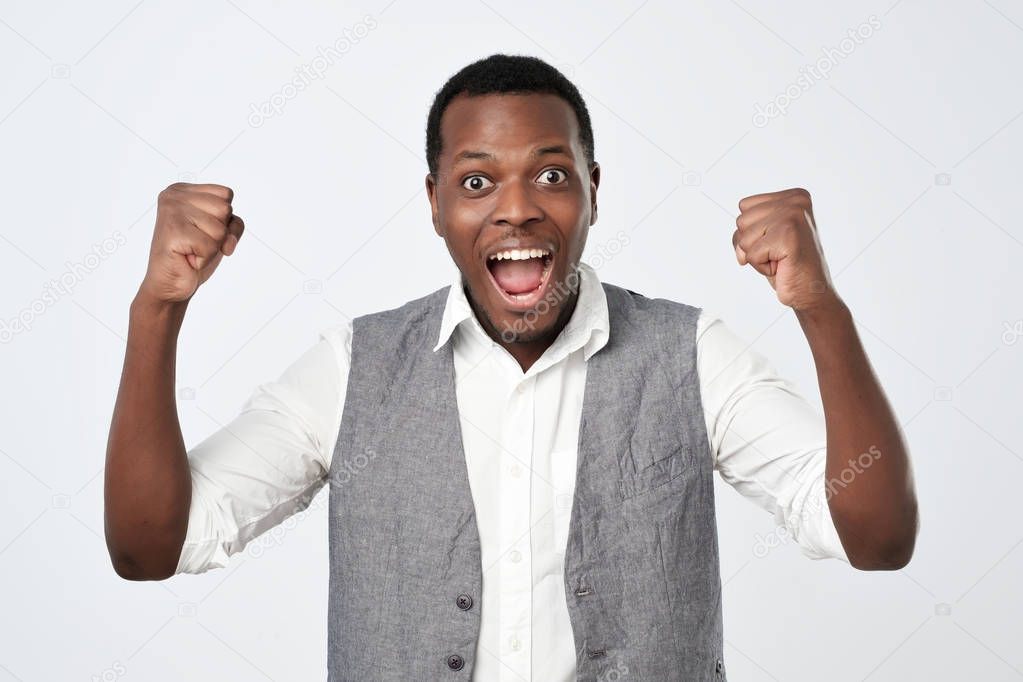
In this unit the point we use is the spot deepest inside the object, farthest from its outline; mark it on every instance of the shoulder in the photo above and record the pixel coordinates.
(407, 312)
(648, 310)
(338, 337)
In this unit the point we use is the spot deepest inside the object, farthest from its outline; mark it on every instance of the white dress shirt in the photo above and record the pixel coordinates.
(520, 432)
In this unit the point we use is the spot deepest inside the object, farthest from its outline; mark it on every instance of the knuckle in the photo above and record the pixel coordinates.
(206, 226)
(203, 245)
(221, 210)
(167, 214)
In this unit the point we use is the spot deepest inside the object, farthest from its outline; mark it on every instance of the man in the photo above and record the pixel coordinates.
(520, 464)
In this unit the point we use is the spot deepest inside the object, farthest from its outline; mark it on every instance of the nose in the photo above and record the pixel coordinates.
(516, 205)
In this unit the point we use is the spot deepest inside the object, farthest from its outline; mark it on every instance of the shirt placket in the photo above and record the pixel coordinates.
(516, 574)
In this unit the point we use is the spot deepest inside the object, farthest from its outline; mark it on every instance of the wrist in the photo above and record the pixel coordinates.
(148, 308)
(824, 312)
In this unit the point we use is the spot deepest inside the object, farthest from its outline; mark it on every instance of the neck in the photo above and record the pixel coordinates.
(526, 352)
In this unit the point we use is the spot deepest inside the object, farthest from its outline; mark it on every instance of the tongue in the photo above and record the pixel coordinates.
(518, 276)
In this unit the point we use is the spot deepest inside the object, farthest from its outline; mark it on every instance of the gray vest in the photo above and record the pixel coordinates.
(641, 566)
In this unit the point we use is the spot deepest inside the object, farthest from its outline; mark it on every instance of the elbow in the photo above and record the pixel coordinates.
(138, 567)
(129, 569)
(892, 559)
(890, 553)
(878, 539)
(143, 551)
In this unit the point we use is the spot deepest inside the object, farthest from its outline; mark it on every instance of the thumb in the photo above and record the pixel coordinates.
(768, 269)
(203, 264)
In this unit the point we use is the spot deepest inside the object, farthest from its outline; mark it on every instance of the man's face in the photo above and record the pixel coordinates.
(514, 200)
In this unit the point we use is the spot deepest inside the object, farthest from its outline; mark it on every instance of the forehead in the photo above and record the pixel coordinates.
(505, 121)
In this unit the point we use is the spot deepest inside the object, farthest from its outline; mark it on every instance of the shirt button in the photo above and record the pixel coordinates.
(515, 644)
(464, 602)
(515, 556)
(516, 470)
(564, 501)
(455, 662)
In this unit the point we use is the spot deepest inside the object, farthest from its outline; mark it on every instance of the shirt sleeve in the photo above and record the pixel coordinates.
(768, 441)
(271, 459)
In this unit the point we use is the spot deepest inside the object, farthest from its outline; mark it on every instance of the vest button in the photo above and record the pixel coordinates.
(455, 662)
(464, 602)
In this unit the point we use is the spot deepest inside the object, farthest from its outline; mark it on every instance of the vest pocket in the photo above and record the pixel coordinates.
(676, 464)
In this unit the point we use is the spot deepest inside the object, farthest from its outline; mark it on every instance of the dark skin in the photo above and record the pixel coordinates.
(512, 173)
(514, 145)
(875, 513)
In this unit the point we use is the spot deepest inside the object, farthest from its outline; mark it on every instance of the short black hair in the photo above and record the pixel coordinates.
(506, 74)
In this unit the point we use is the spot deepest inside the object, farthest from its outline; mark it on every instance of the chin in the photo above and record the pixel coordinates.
(512, 333)
(530, 327)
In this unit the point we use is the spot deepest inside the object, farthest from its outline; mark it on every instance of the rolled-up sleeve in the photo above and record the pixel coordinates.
(271, 459)
(769, 442)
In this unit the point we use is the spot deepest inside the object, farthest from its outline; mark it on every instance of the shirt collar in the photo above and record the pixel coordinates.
(588, 327)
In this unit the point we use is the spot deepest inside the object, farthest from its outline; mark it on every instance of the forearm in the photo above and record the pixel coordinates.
(870, 485)
(147, 485)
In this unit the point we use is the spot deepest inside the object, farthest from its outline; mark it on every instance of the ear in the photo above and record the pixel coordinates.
(431, 193)
(594, 183)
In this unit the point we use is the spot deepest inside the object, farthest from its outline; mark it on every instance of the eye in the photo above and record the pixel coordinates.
(552, 176)
(476, 182)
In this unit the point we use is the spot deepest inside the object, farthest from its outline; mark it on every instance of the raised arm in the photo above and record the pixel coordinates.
(870, 482)
(147, 484)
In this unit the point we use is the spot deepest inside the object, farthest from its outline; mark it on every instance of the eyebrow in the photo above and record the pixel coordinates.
(487, 156)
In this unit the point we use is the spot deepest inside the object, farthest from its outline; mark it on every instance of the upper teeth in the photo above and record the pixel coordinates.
(519, 254)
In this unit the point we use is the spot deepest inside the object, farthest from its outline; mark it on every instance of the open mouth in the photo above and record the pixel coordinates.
(520, 275)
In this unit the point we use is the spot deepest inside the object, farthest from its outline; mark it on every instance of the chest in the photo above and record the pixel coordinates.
(519, 433)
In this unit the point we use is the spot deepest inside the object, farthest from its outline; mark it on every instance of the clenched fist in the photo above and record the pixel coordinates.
(777, 236)
(195, 229)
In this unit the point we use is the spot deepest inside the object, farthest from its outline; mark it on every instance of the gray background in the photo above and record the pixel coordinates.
(910, 149)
